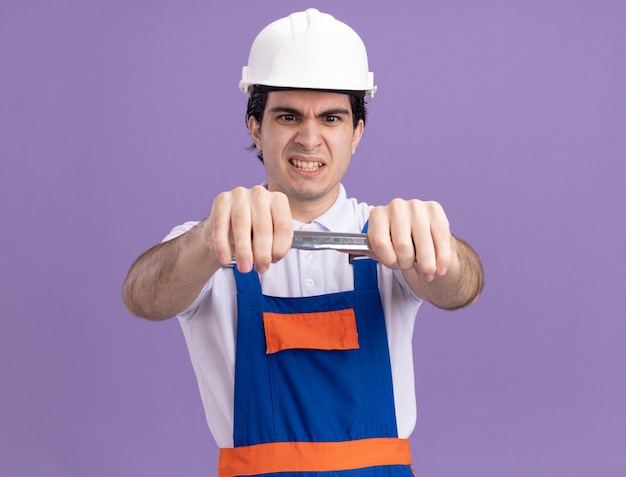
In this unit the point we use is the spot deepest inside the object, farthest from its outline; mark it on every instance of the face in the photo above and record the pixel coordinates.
(307, 139)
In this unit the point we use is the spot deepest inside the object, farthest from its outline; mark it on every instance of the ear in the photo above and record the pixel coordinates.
(255, 132)
(357, 135)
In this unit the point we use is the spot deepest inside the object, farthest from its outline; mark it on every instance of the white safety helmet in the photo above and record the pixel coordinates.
(310, 50)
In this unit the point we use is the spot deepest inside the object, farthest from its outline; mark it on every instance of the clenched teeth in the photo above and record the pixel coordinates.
(306, 165)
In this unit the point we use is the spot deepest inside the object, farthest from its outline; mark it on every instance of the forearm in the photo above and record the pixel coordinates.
(459, 287)
(167, 278)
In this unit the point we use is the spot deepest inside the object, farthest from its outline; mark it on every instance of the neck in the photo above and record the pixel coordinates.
(306, 211)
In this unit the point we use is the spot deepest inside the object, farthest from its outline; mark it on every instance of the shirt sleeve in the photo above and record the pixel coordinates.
(180, 230)
(405, 287)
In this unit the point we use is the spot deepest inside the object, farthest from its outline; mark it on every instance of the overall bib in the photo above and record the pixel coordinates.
(313, 386)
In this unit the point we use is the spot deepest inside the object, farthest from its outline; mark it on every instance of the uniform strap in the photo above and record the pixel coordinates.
(365, 270)
(247, 282)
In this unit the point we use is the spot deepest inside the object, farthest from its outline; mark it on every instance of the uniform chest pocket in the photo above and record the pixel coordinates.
(327, 330)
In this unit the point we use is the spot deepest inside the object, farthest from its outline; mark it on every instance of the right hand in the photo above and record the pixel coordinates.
(254, 224)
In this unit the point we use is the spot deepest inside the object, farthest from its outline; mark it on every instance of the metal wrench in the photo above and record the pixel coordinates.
(320, 240)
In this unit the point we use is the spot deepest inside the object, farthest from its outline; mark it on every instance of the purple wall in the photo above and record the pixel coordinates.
(120, 119)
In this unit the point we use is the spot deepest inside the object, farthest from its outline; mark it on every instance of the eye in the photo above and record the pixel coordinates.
(287, 117)
(332, 119)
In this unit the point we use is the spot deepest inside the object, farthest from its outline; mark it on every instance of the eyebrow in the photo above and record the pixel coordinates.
(295, 112)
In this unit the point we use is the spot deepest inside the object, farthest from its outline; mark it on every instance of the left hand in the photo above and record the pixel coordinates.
(411, 234)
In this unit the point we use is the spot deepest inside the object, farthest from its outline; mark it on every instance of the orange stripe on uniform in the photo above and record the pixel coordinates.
(313, 456)
(329, 330)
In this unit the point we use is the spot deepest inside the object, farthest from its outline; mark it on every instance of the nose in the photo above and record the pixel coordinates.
(309, 134)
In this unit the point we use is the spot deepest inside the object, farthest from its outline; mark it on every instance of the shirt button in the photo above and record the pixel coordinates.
(310, 282)
(309, 256)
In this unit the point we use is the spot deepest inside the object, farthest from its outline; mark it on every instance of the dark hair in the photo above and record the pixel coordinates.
(258, 98)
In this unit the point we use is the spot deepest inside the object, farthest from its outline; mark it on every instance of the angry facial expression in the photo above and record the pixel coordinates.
(307, 139)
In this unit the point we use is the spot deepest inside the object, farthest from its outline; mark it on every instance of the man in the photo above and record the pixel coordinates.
(303, 358)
